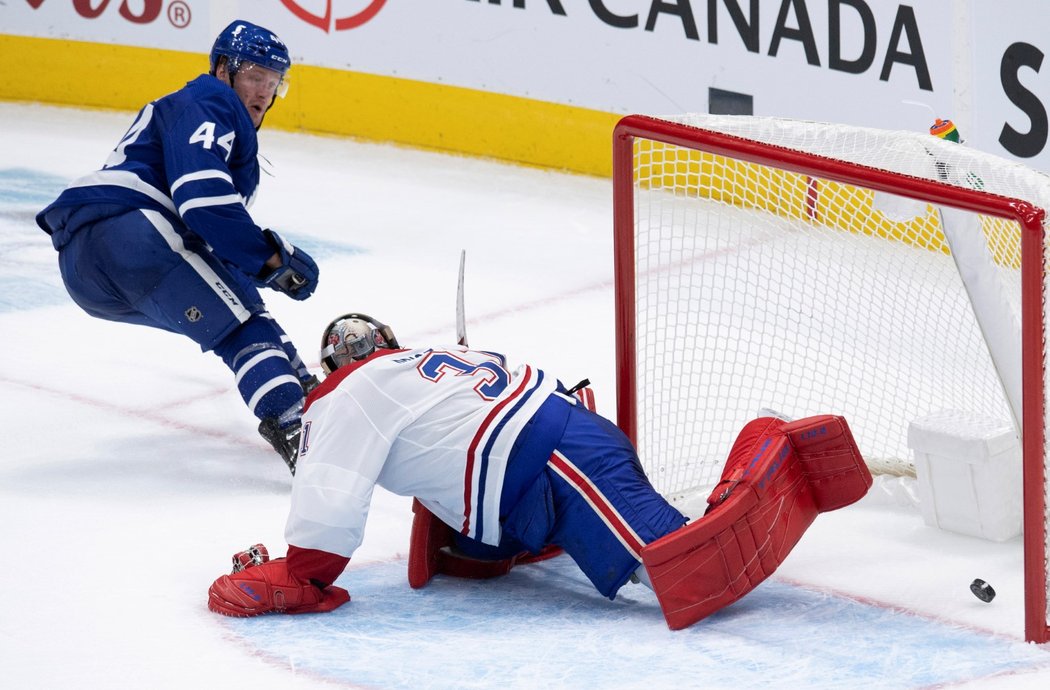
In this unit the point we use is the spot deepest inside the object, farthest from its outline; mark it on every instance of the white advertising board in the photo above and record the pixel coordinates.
(853, 61)
(1011, 76)
(894, 64)
(171, 24)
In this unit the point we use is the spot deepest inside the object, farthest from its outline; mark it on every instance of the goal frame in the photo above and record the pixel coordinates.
(1033, 258)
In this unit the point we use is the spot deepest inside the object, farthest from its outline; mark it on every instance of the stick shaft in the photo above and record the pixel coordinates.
(461, 317)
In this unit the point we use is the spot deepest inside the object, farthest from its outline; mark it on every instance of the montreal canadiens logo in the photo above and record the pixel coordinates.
(366, 10)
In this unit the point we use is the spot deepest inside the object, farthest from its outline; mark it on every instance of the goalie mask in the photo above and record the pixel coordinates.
(353, 337)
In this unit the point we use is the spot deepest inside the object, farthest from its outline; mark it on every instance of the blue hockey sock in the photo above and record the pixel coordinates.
(266, 379)
(289, 349)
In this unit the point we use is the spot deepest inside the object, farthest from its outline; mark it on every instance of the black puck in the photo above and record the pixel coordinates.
(982, 590)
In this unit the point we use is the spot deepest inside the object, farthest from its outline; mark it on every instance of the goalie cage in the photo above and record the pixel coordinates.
(816, 268)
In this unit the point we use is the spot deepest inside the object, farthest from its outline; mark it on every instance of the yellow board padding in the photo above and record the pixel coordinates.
(94, 75)
(324, 101)
(694, 174)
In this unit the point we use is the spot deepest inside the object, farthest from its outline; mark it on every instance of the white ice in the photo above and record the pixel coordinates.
(132, 471)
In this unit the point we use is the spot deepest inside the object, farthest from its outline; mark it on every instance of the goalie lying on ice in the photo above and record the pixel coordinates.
(506, 466)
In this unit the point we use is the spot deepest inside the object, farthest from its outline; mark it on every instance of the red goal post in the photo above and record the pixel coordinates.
(677, 163)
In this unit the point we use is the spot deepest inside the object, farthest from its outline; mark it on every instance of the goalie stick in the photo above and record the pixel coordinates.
(461, 318)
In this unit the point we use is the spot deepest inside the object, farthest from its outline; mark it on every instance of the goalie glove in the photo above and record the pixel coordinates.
(268, 587)
(298, 273)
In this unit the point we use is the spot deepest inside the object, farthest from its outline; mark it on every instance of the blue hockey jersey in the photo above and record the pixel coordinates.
(192, 155)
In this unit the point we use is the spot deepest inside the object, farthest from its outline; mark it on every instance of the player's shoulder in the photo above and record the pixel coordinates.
(205, 97)
(344, 375)
(205, 89)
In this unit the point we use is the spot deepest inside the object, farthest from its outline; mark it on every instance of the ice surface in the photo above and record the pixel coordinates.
(132, 471)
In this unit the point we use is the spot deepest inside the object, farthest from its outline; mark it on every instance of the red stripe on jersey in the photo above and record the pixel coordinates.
(468, 480)
(597, 500)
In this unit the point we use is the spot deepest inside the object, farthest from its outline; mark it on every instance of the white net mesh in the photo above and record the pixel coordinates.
(761, 288)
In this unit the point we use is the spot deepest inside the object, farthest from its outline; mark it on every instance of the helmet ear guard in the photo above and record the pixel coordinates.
(351, 337)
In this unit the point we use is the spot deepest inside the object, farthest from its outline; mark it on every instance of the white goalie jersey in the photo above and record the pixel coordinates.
(435, 424)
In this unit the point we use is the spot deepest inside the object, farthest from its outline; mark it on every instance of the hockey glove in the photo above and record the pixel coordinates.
(297, 275)
(268, 587)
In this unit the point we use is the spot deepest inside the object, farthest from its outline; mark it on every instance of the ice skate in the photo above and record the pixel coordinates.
(285, 441)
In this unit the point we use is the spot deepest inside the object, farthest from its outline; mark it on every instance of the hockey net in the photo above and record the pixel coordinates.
(810, 268)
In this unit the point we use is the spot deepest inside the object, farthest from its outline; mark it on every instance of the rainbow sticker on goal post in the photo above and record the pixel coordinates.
(946, 129)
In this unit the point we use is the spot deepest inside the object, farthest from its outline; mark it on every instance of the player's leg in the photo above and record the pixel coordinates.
(778, 477)
(112, 247)
(267, 382)
(134, 267)
(137, 268)
(603, 510)
(231, 321)
(308, 380)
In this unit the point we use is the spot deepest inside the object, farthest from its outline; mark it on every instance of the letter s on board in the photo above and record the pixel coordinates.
(1023, 145)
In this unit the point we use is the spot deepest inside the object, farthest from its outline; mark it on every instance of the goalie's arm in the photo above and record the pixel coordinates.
(321, 568)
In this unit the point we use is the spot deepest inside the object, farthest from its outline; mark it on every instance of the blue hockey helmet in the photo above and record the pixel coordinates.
(244, 41)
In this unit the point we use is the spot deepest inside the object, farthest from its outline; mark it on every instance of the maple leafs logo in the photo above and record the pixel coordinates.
(325, 22)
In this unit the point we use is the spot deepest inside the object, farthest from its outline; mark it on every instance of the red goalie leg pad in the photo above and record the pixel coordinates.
(431, 551)
(755, 517)
(830, 460)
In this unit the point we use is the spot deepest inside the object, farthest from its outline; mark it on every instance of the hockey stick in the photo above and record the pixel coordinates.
(461, 317)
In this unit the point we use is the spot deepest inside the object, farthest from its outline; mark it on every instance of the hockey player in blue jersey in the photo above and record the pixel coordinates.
(161, 235)
(505, 466)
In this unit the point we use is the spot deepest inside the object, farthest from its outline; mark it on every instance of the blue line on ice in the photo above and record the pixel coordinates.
(32, 279)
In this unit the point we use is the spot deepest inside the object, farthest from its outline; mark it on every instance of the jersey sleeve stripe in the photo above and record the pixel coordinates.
(127, 180)
(200, 175)
(205, 201)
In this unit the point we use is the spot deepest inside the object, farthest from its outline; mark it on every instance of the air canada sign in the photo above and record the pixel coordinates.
(897, 40)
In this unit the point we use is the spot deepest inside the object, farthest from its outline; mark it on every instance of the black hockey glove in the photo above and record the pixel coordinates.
(297, 275)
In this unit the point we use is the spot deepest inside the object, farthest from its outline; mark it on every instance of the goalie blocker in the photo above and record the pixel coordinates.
(778, 477)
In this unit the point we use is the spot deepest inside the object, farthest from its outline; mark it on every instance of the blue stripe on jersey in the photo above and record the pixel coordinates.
(479, 516)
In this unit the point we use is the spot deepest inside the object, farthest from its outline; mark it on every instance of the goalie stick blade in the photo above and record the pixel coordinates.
(461, 317)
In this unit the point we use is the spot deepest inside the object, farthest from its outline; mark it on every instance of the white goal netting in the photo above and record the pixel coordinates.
(755, 287)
